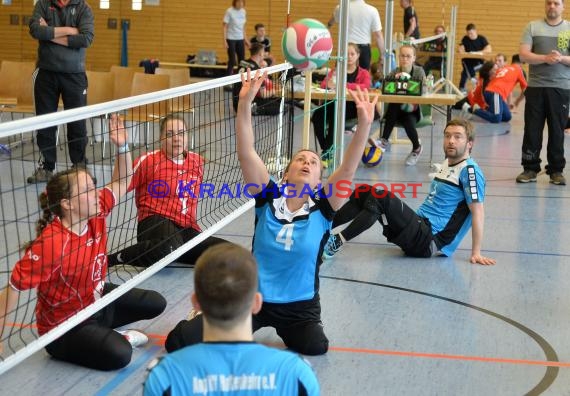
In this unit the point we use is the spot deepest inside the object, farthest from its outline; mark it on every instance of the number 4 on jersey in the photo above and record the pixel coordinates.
(285, 236)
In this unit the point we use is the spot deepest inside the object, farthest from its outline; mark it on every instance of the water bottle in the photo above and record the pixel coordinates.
(429, 83)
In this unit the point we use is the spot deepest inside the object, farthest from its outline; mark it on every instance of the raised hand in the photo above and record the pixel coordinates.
(365, 104)
(250, 85)
(117, 131)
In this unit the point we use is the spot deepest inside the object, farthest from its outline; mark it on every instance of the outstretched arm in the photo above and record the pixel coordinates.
(345, 172)
(123, 169)
(252, 166)
(8, 300)
(478, 214)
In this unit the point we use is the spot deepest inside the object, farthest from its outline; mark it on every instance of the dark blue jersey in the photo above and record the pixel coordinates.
(446, 207)
(288, 246)
(231, 369)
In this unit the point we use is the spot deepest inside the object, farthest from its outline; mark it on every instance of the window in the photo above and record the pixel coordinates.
(137, 5)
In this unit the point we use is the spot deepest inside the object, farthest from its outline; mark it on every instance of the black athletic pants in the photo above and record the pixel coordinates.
(550, 105)
(298, 324)
(72, 87)
(236, 48)
(94, 343)
(157, 237)
(401, 225)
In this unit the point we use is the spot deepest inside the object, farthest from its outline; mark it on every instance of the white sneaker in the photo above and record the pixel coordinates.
(465, 113)
(134, 337)
(412, 158)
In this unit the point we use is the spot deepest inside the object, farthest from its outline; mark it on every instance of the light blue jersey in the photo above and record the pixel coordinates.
(231, 369)
(446, 207)
(288, 246)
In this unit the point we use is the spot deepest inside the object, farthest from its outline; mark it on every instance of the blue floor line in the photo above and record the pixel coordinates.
(125, 373)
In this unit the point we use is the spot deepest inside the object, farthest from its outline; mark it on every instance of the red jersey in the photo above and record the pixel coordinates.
(505, 80)
(475, 96)
(67, 269)
(166, 188)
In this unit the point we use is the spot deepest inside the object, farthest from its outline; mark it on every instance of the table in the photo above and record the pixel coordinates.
(200, 70)
(433, 99)
(476, 55)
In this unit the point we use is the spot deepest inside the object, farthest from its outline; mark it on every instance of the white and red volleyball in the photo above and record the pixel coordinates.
(307, 44)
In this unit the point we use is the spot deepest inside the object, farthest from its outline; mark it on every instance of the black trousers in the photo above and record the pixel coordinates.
(470, 67)
(298, 324)
(365, 56)
(323, 121)
(550, 105)
(157, 237)
(94, 343)
(72, 88)
(236, 48)
(395, 114)
(401, 224)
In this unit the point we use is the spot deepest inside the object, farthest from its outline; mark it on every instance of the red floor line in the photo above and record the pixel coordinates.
(158, 339)
(451, 357)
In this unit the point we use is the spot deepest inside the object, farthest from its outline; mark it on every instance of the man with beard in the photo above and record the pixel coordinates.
(453, 206)
(545, 47)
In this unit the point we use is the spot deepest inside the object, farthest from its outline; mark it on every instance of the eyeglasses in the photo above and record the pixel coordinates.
(406, 56)
(171, 134)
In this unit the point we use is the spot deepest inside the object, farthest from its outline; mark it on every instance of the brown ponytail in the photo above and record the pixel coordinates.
(58, 188)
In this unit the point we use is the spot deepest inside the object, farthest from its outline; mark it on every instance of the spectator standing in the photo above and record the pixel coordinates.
(234, 36)
(64, 29)
(363, 21)
(411, 24)
(544, 46)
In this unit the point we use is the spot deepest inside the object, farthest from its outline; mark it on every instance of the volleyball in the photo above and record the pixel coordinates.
(307, 44)
(372, 156)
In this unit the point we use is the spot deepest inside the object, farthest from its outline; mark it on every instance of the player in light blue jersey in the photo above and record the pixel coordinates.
(229, 362)
(453, 206)
(291, 229)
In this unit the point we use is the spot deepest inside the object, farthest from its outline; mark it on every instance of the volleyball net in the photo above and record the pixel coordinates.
(208, 109)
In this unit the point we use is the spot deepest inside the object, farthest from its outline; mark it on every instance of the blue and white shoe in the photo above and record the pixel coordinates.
(333, 246)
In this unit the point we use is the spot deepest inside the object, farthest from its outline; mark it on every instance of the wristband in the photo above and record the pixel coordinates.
(123, 149)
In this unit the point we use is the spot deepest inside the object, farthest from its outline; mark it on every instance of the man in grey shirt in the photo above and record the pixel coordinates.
(545, 47)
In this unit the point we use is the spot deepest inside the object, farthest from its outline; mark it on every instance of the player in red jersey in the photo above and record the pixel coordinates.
(67, 264)
(496, 93)
(167, 186)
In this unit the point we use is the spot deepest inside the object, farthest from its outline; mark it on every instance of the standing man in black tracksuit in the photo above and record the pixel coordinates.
(64, 29)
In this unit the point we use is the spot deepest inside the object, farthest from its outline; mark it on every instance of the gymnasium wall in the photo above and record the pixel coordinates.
(179, 27)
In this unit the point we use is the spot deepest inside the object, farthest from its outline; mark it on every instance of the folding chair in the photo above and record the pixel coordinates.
(100, 90)
(146, 83)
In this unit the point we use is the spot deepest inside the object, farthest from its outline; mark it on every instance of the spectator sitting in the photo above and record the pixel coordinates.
(261, 38)
(265, 102)
(472, 42)
(438, 45)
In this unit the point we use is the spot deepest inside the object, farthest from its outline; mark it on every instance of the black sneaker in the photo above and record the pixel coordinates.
(41, 175)
(527, 176)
